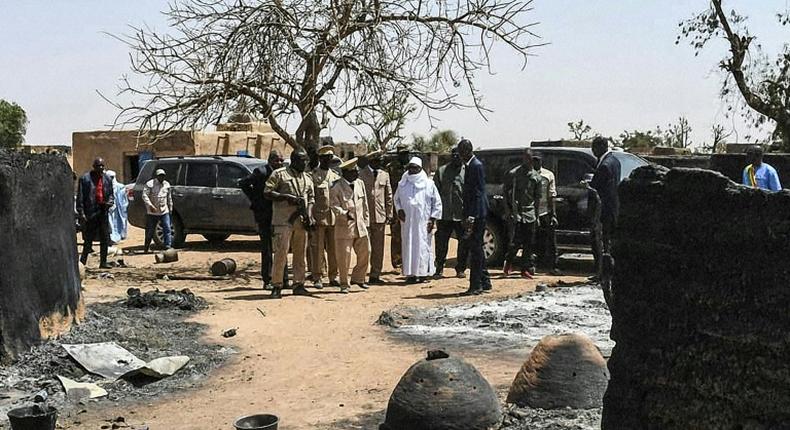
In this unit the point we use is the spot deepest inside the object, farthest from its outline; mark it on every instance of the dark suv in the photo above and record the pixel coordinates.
(571, 166)
(207, 199)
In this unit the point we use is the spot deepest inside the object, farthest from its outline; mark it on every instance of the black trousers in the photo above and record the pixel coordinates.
(546, 243)
(478, 276)
(523, 238)
(97, 225)
(445, 229)
(602, 242)
(266, 233)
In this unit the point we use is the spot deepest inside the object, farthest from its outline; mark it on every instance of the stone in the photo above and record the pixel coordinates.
(442, 393)
(699, 305)
(562, 371)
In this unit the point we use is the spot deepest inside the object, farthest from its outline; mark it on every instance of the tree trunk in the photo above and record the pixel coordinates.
(309, 132)
(783, 132)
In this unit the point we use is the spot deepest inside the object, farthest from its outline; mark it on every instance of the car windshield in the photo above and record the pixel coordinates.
(628, 162)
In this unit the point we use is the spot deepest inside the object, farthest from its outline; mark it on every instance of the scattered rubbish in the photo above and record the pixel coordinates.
(155, 299)
(106, 359)
(562, 371)
(36, 417)
(166, 256)
(163, 367)
(81, 390)
(393, 318)
(172, 277)
(261, 312)
(229, 332)
(541, 288)
(257, 422)
(113, 362)
(467, 400)
(41, 396)
(106, 275)
(226, 266)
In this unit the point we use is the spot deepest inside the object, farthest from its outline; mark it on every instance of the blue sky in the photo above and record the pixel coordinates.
(613, 63)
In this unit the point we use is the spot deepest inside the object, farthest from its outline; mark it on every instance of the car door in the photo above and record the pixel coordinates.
(198, 208)
(571, 202)
(233, 212)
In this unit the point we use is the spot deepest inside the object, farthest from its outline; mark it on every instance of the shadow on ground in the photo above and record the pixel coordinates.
(368, 421)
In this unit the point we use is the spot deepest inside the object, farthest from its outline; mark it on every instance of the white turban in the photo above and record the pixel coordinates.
(417, 161)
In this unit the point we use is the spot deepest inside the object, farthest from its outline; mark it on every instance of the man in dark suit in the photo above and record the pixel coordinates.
(95, 197)
(605, 182)
(475, 213)
(253, 186)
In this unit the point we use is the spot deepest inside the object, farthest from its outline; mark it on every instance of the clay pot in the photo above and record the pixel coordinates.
(562, 371)
(442, 393)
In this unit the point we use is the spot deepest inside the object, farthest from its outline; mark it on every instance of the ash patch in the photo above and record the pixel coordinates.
(184, 300)
(557, 419)
(511, 324)
(146, 333)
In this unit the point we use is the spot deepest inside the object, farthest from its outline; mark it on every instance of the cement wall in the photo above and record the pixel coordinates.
(699, 304)
(39, 282)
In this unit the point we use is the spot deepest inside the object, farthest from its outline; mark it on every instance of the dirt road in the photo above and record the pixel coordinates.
(317, 362)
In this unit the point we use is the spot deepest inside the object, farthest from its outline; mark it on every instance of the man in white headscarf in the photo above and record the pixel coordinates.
(419, 205)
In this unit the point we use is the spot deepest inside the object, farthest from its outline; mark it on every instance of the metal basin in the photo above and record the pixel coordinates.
(257, 422)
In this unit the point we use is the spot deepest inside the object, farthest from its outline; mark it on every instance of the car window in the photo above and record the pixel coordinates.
(171, 171)
(497, 166)
(628, 162)
(229, 175)
(202, 175)
(570, 171)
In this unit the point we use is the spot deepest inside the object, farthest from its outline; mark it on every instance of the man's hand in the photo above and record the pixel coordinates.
(402, 215)
(554, 222)
(431, 223)
(292, 199)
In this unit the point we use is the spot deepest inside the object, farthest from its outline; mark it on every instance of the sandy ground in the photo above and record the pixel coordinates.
(317, 362)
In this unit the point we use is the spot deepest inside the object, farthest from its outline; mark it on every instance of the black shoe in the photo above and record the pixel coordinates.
(300, 290)
(375, 281)
(105, 266)
(556, 272)
(344, 289)
(277, 293)
(362, 285)
(472, 292)
(411, 280)
(486, 287)
(438, 275)
(334, 283)
(460, 274)
(422, 280)
(318, 285)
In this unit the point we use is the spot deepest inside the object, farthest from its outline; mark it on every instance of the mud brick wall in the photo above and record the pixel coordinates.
(39, 277)
(700, 306)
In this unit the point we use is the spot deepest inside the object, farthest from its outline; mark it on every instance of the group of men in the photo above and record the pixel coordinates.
(101, 206)
(323, 217)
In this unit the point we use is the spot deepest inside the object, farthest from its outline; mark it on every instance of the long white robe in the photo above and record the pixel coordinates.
(418, 197)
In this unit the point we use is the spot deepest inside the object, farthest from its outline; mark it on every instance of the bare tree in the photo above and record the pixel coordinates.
(763, 83)
(678, 135)
(580, 130)
(311, 61)
(719, 134)
(385, 121)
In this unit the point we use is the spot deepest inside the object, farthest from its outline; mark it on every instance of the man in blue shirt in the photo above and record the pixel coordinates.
(758, 174)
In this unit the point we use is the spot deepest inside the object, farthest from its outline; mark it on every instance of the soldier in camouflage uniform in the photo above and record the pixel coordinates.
(522, 195)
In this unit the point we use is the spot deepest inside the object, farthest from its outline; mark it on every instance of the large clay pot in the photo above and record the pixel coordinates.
(442, 393)
(562, 371)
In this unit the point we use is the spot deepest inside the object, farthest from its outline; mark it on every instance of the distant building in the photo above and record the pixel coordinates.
(125, 151)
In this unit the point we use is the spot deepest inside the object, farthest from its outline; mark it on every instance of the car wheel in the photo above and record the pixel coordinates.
(494, 244)
(176, 231)
(216, 238)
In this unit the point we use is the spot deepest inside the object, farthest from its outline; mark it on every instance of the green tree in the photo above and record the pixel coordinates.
(13, 125)
(580, 130)
(642, 141)
(440, 141)
(754, 84)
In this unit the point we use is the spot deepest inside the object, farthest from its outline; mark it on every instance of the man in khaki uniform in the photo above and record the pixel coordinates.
(291, 191)
(379, 194)
(350, 205)
(322, 237)
(396, 169)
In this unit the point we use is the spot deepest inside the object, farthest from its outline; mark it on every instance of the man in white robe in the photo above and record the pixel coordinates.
(419, 205)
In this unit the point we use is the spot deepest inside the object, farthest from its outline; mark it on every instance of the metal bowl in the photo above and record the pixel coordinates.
(257, 422)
